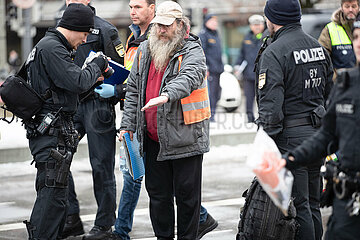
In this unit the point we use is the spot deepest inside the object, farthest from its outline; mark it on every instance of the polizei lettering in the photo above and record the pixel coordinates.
(309, 55)
(345, 108)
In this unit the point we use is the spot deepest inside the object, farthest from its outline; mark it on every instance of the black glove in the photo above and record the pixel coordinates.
(120, 94)
(101, 62)
(120, 90)
(291, 165)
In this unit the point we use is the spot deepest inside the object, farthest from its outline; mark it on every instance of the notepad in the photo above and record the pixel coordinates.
(120, 74)
(134, 161)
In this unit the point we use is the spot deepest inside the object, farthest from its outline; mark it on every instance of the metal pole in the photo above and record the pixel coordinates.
(26, 41)
(3, 50)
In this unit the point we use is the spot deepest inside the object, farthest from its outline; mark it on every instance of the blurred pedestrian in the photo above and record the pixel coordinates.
(14, 62)
(95, 117)
(211, 44)
(248, 52)
(52, 136)
(337, 38)
(172, 62)
(294, 78)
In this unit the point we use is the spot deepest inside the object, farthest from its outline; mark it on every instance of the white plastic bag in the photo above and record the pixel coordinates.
(265, 161)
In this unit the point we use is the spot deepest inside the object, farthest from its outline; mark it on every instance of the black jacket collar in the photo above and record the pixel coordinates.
(54, 32)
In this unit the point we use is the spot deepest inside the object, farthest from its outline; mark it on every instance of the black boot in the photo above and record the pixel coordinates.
(207, 226)
(73, 226)
(98, 233)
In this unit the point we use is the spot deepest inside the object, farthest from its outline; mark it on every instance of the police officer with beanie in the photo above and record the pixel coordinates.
(340, 125)
(294, 77)
(96, 118)
(52, 136)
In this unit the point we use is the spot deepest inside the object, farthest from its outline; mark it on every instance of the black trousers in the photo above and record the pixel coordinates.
(96, 118)
(249, 91)
(214, 91)
(340, 225)
(162, 180)
(49, 211)
(306, 187)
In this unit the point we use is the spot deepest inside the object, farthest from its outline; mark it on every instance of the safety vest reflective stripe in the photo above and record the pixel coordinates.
(130, 54)
(338, 35)
(196, 107)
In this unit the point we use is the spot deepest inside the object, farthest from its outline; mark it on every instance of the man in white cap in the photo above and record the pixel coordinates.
(172, 62)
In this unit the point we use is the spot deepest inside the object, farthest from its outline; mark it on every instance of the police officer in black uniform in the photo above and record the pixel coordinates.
(52, 136)
(341, 126)
(96, 118)
(293, 80)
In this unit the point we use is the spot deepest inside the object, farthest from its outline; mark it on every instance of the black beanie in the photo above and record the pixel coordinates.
(283, 12)
(77, 17)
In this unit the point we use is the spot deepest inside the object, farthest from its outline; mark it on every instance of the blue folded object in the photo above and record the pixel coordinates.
(120, 73)
(134, 161)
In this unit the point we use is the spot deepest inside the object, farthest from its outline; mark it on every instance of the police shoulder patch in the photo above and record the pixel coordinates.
(248, 42)
(120, 50)
(95, 31)
(212, 41)
(262, 80)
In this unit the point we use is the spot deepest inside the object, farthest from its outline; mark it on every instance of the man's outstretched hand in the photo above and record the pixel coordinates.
(154, 102)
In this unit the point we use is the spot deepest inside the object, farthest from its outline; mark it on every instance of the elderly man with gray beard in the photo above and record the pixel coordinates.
(172, 130)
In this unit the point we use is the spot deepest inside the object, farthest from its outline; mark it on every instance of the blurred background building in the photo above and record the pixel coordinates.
(22, 28)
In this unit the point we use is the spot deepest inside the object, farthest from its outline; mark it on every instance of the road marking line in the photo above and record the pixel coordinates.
(143, 211)
(6, 204)
(210, 233)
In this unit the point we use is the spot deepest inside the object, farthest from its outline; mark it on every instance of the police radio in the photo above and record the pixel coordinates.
(47, 121)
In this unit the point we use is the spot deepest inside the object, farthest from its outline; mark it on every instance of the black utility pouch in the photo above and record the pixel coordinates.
(19, 97)
(316, 115)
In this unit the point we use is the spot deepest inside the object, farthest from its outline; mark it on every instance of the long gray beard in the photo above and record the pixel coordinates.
(162, 51)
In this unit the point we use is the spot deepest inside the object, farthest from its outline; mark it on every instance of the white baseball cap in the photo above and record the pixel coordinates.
(167, 12)
(256, 19)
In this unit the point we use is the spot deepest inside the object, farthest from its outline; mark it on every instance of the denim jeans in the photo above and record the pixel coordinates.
(128, 201)
(203, 214)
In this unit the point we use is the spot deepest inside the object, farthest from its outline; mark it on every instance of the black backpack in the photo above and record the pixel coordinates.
(19, 97)
(260, 219)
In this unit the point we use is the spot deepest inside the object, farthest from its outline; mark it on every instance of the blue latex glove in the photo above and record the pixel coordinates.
(105, 90)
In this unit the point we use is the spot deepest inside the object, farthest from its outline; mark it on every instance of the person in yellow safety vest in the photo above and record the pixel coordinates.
(337, 38)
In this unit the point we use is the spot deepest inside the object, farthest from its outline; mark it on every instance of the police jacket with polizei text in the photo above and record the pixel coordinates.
(50, 66)
(340, 125)
(176, 139)
(294, 76)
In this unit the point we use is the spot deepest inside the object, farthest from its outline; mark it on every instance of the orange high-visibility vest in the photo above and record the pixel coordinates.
(129, 54)
(196, 107)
